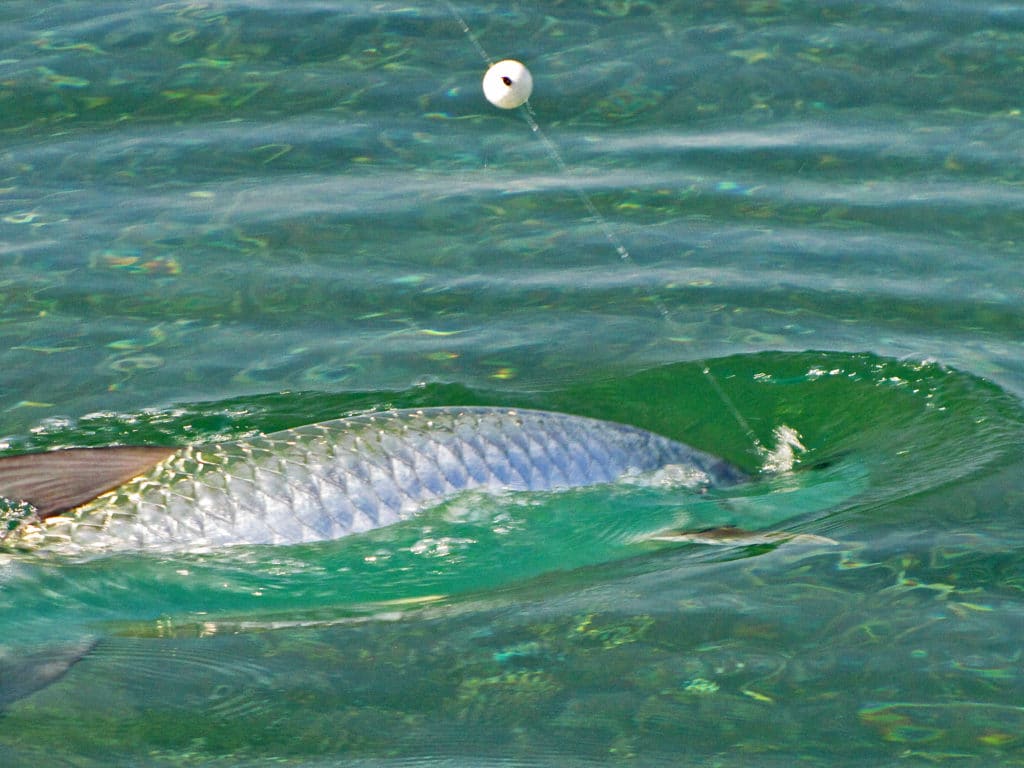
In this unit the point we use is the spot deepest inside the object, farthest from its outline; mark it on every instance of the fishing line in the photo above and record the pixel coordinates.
(508, 85)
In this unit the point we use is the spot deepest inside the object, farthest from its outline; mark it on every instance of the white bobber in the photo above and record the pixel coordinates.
(508, 84)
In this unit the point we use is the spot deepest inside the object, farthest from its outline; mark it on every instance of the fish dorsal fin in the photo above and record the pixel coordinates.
(56, 481)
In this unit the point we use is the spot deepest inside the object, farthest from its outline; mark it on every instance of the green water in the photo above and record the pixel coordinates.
(225, 217)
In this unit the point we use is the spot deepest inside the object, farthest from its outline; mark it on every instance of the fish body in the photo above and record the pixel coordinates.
(331, 479)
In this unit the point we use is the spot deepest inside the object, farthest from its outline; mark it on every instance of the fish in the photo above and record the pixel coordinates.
(322, 481)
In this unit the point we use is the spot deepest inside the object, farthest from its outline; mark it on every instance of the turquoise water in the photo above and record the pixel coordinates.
(218, 218)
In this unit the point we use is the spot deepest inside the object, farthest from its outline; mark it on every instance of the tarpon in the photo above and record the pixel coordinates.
(321, 481)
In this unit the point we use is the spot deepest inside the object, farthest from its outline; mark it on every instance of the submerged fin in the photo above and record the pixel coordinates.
(56, 481)
(730, 535)
(23, 675)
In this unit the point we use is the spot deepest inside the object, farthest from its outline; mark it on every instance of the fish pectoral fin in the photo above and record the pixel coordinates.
(56, 481)
(730, 535)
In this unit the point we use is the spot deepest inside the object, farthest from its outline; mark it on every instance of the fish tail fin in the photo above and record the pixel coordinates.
(26, 673)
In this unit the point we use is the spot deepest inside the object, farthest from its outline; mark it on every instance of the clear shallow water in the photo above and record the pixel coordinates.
(225, 217)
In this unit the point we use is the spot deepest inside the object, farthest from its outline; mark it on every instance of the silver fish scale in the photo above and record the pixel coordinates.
(327, 480)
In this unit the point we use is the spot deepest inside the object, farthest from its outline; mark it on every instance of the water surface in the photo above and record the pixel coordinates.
(218, 218)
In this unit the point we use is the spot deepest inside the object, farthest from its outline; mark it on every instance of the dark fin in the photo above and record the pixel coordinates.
(60, 480)
(23, 675)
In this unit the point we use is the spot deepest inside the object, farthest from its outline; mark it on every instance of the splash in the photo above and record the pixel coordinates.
(784, 456)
